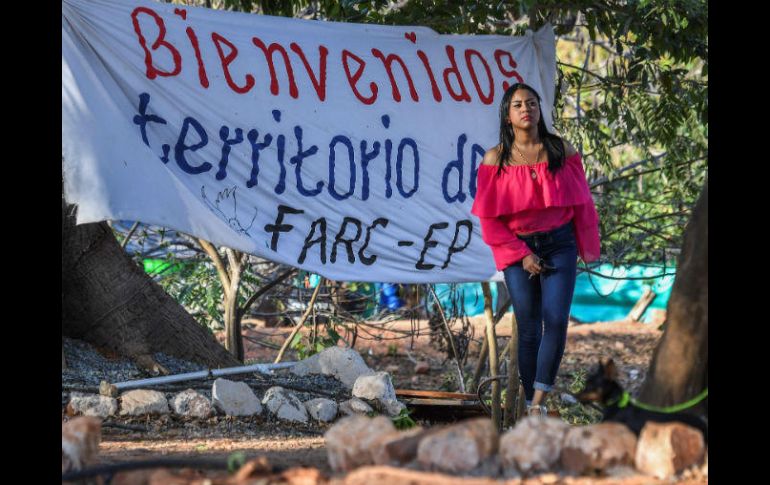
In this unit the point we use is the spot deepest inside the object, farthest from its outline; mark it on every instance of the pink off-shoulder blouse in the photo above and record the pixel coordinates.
(517, 203)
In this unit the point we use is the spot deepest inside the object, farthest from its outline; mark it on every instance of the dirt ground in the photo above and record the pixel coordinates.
(385, 347)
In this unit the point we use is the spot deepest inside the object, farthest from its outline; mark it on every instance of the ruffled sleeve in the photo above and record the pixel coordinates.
(506, 247)
(586, 221)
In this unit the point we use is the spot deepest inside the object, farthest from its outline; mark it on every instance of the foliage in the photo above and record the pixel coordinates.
(404, 420)
(199, 290)
(305, 347)
(578, 381)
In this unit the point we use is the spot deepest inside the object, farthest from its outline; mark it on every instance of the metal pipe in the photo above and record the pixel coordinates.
(112, 389)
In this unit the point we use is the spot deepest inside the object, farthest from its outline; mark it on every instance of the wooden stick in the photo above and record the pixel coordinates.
(492, 339)
(479, 364)
(130, 233)
(512, 391)
(485, 346)
(641, 305)
(301, 322)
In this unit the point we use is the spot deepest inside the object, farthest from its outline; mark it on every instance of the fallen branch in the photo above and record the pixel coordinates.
(301, 321)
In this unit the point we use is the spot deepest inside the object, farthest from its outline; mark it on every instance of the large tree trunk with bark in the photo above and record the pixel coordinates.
(108, 301)
(679, 368)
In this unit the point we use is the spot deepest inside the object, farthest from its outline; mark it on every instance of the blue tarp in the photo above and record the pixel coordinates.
(595, 299)
(604, 299)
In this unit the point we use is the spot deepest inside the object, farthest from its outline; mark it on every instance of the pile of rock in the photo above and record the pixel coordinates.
(534, 446)
(370, 390)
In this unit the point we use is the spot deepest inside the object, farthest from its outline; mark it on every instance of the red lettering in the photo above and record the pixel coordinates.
(152, 72)
(484, 99)
(433, 85)
(388, 63)
(319, 86)
(353, 79)
(226, 60)
(269, 51)
(201, 69)
(499, 53)
(463, 96)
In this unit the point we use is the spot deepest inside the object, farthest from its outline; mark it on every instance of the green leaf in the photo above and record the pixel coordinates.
(591, 27)
(295, 340)
(334, 335)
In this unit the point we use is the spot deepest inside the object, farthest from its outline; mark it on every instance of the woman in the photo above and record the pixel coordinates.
(537, 215)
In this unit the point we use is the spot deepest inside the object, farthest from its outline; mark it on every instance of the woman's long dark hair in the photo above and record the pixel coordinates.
(553, 144)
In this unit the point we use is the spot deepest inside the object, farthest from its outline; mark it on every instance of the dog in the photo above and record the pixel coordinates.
(602, 387)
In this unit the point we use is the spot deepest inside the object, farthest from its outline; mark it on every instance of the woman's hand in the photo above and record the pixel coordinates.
(530, 264)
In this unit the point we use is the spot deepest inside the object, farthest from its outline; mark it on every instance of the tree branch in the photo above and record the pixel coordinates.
(218, 264)
(267, 287)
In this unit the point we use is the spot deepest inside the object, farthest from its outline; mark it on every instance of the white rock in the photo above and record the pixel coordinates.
(460, 447)
(378, 388)
(533, 445)
(192, 404)
(234, 398)
(355, 406)
(284, 405)
(344, 364)
(92, 405)
(321, 409)
(350, 442)
(143, 401)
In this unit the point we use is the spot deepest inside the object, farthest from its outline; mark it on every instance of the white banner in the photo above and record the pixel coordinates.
(347, 150)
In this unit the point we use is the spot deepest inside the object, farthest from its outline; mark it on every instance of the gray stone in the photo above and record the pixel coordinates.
(350, 442)
(379, 389)
(460, 447)
(92, 405)
(398, 447)
(344, 364)
(284, 405)
(192, 404)
(355, 406)
(321, 409)
(533, 445)
(143, 401)
(234, 398)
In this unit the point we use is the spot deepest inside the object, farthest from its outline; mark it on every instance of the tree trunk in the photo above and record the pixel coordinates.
(108, 301)
(679, 368)
(233, 313)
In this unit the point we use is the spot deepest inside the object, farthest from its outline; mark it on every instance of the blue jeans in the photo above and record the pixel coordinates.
(541, 305)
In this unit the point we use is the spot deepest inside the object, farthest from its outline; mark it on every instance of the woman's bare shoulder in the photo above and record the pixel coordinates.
(492, 155)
